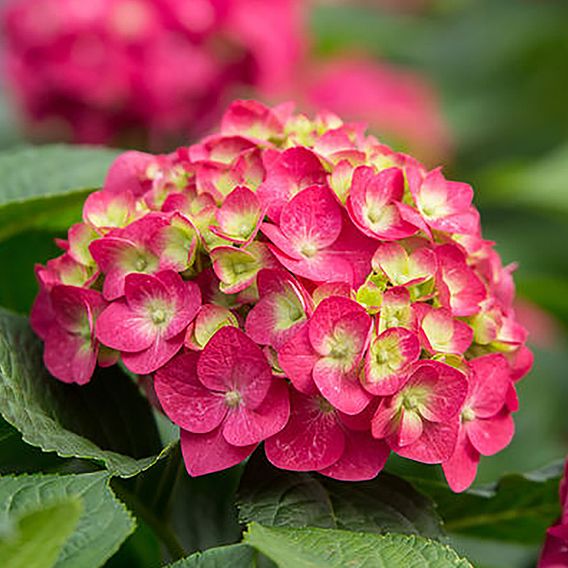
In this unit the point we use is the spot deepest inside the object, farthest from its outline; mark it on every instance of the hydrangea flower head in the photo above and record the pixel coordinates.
(292, 282)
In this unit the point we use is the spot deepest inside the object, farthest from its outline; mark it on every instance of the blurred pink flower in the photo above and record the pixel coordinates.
(111, 71)
(394, 102)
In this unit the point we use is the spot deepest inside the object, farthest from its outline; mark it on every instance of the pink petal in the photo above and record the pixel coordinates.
(329, 313)
(118, 327)
(72, 306)
(42, 316)
(388, 359)
(231, 361)
(70, 358)
(461, 290)
(343, 390)
(289, 173)
(244, 426)
(297, 359)
(446, 389)
(127, 173)
(489, 384)
(278, 313)
(158, 354)
(410, 427)
(186, 297)
(363, 458)
(491, 435)
(386, 419)
(435, 445)
(312, 440)
(207, 453)
(396, 310)
(184, 399)
(313, 217)
(251, 119)
(323, 265)
(460, 470)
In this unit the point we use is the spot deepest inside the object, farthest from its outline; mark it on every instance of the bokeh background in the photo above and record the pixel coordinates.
(479, 86)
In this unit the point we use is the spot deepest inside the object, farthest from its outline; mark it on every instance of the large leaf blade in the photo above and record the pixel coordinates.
(519, 508)
(37, 538)
(46, 185)
(107, 420)
(329, 548)
(103, 524)
(279, 498)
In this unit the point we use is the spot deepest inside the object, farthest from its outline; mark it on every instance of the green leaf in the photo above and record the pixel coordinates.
(519, 508)
(39, 536)
(108, 420)
(280, 498)
(45, 186)
(103, 525)
(19, 254)
(235, 556)
(328, 548)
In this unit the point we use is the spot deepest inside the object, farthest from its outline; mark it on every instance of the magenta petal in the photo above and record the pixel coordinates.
(446, 386)
(244, 426)
(313, 439)
(231, 361)
(435, 445)
(331, 311)
(70, 358)
(297, 359)
(342, 390)
(460, 470)
(207, 453)
(152, 358)
(314, 215)
(185, 400)
(386, 419)
(490, 382)
(120, 328)
(410, 427)
(491, 435)
(363, 458)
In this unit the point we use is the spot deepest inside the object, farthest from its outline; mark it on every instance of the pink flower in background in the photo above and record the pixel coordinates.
(293, 282)
(396, 103)
(153, 72)
(555, 551)
(114, 71)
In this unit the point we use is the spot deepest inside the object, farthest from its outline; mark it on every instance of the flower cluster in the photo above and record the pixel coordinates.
(555, 551)
(293, 282)
(168, 67)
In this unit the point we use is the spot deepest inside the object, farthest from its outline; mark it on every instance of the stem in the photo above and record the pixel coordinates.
(161, 527)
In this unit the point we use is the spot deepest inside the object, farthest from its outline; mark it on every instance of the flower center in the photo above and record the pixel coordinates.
(468, 414)
(158, 316)
(308, 250)
(141, 264)
(233, 398)
(324, 406)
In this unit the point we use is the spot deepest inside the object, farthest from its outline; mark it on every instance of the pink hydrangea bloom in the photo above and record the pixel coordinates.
(166, 66)
(293, 282)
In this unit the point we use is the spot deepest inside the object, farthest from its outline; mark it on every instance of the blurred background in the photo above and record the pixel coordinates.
(478, 86)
